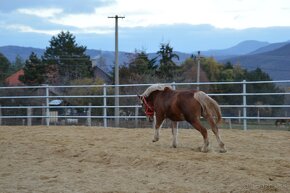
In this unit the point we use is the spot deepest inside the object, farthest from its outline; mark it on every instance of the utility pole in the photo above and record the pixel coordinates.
(198, 70)
(116, 17)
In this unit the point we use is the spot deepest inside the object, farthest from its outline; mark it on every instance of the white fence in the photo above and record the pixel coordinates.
(32, 103)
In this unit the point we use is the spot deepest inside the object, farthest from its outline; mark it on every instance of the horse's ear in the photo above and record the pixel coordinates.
(138, 96)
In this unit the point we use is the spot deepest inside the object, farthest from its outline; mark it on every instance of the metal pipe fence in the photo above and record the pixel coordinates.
(94, 104)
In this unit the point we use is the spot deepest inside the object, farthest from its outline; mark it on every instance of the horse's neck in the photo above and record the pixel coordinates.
(153, 95)
(159, 94)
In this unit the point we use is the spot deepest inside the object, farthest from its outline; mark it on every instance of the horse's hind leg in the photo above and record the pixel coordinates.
(197, 125)
(215, 130)
(174, 133)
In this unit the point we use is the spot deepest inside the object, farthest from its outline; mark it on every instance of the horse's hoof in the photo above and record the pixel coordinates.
(174, 146)
(155, 140)
(223, 151)
(204, 150)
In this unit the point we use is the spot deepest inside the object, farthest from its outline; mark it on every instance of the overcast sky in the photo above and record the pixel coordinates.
(49, 17)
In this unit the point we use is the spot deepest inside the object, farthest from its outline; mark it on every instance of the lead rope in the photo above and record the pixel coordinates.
(149, 110)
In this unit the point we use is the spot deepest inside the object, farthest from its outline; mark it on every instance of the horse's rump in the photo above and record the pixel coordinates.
(209, 106)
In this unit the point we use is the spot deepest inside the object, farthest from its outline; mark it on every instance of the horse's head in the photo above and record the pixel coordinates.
(148, 106)
(148, 97)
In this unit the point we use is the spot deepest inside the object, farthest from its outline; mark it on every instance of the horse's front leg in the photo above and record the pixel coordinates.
(174, 133)
(158, 120)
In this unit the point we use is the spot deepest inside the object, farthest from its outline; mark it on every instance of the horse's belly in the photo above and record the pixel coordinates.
(176, 117)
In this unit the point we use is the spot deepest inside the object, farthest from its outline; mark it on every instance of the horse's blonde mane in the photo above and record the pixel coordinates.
(155, 87)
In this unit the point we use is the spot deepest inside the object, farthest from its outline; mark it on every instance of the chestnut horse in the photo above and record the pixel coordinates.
(179, 105)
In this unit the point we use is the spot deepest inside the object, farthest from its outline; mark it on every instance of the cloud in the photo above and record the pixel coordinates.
(69, 6)
(28, 29)
(222, 14)
(91, 16)
(43, 13)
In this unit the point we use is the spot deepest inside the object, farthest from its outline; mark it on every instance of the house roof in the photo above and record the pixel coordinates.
(13, 80)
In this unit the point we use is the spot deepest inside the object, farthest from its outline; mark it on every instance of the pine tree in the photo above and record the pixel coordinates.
(139, 69)
(4, 68)
(167, 69)
(34, 71)
(66, 58)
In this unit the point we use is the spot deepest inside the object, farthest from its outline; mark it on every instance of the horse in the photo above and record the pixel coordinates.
(161, 101)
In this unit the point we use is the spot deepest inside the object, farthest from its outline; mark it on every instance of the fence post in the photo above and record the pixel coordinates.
(136, 114)
(29, 119)
(230, 123)
(239, 114)
(89, 113)
(173, 85)
(174, 88)
(258, 115)
(0, 115)
(43, 113)
(244, 105)
(105, 105)
(47, 104)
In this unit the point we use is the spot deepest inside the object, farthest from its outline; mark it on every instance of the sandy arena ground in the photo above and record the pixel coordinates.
(94, 160)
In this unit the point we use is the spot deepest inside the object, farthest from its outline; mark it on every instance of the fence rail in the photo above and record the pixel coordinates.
(15, 106)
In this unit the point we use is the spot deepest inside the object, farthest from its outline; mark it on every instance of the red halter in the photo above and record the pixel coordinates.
(149, 110)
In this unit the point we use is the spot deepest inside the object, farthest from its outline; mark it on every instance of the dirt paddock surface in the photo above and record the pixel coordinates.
(97, 160)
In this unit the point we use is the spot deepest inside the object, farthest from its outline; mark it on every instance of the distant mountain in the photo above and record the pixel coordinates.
(11, 52)
(275, 62)
(271, 58)
(270, 47)
(242, 48)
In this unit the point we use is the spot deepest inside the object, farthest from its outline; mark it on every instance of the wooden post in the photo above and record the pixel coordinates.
(258, 115)
(230, 123)
(136, 114)
(29, 119)
(0, 115)
(43, 114)
(89, 113)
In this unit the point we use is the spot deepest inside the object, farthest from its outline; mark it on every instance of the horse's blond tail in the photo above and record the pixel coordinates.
(209, 106)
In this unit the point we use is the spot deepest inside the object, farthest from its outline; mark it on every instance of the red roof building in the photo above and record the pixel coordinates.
(13, 80)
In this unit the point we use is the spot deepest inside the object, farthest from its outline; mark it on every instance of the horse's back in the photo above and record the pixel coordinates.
(184, 103)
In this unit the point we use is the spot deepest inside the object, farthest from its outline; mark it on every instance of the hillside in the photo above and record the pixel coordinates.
(11, 52)
(270, 47)
(271, 58)
(276, 62)
(242, 48)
